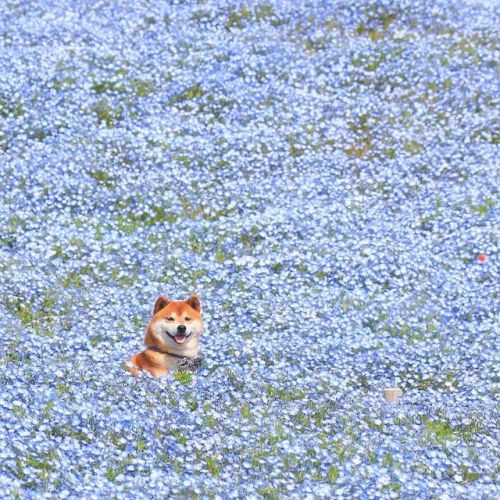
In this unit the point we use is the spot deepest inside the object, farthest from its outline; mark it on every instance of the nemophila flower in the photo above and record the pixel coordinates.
(321, 176)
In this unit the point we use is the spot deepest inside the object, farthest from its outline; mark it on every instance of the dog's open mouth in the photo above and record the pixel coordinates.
(179, 339)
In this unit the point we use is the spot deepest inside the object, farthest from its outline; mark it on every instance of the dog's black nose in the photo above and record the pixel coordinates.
(181, 329)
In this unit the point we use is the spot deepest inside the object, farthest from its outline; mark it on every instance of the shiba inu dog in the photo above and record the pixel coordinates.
(172, 338)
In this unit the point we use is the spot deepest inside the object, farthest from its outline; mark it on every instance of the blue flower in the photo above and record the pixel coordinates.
(321, 175)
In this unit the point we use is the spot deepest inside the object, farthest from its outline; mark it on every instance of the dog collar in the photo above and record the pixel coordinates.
(185, 363)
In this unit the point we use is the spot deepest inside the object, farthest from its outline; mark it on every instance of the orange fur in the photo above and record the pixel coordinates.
(168, 316)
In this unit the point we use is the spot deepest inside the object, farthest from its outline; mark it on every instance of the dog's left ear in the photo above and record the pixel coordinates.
(194, 302)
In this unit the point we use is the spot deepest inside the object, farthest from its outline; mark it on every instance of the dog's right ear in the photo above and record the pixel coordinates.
(160, 303)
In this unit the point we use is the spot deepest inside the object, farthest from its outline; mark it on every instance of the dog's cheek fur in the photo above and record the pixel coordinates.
(196, 326)
(154, 333)
(158, 328)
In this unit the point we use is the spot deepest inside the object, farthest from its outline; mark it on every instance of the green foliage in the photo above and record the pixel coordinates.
(140, 443)
(102, 177)
(468, 475)
(64, 83)
(9, 108)
(333, 474)
(108, 86)
(240, 17)
(113, 471)
(106, 113)
(41, 318)
(483, 209)
(270, 493)
(245, 411)
(142, 88)
(438, 431)
(212, 466)
(184, 377)
(283, 394)
(131, 221)
(181, 438)
(194, 92)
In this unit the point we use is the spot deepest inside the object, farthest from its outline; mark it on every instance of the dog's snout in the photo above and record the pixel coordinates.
(181, 329)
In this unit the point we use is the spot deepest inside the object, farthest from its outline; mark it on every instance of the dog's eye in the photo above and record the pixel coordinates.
(187, 319)
(170, 318)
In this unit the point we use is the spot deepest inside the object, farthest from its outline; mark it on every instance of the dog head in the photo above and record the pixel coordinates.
(176, 324)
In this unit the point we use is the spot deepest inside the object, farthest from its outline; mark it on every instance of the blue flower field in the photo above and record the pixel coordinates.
(323, 175)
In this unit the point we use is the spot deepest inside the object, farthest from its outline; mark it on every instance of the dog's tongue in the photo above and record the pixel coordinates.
(180, 339)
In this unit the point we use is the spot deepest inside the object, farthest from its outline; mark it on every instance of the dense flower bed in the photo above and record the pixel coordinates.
(322, 174)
